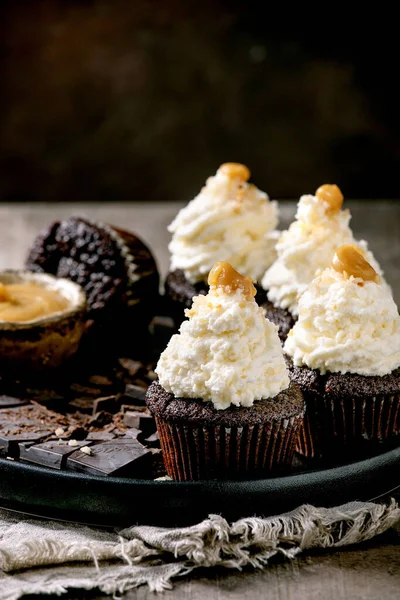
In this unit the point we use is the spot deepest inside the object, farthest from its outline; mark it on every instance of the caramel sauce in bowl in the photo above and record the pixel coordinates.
(41, 321)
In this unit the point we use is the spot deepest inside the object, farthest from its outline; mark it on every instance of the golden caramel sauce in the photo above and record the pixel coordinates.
(20, 302)
(235, 171)
(349, 259)
(332, 195)
(224, 275)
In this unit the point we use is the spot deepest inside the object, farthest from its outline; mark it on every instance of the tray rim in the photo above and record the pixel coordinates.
(98, 501)
(374, 461)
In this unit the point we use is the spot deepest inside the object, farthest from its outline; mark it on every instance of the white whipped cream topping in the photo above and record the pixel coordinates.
(346, 326)
(230, 220)
(226, 353)
(307, 247)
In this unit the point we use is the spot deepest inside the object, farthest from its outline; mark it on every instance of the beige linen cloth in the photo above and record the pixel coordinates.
(38, 556)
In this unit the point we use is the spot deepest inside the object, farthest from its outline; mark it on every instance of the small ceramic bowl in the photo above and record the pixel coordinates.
(45, 342)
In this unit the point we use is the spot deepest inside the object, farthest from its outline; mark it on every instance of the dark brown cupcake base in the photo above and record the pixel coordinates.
(280, 316)
(347, 412)
(201, 442)
(179, 294)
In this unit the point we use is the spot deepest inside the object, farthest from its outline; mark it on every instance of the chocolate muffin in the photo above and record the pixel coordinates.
(346, 357)
(115, 268)
(179, 294)
(201, 442)
(281, 317)
(229, 220)
(223, 405)
(304, 249)
(347, 410)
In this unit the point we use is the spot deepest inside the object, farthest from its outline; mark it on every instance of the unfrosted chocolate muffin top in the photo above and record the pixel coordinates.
(280, 316)
(195, 411)
(114, 267)
(179, 289)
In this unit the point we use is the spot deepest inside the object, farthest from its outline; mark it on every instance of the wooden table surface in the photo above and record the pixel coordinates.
(368, 572)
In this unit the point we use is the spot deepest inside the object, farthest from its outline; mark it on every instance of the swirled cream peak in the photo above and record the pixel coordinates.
(348, 320)
(308, 245)
(230, 220)
(227, 352)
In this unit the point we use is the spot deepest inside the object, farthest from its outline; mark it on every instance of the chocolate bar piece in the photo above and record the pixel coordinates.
(117, 457)
(133, 367)
(108, 404)
(153, 440)
(100, 436)
(136, 393)
(49, 454)
(10, 402)
(141, 420)
(11, 441)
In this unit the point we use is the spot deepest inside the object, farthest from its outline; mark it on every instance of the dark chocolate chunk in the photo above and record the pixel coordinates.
(11, 441)
(100, 419)
(117, 457)
(140, 420)
(100, 436)
(77, 433)
(31, 422)
(132, 433)
(85, 390)
(100, 381)
(109, 404)
(153, 440)
(83, 404)
(135, 392)
(133, 367)
(162, 328)
(50, 454)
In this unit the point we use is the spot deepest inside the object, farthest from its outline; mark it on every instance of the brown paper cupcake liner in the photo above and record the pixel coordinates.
(347, 422)
(193, 452)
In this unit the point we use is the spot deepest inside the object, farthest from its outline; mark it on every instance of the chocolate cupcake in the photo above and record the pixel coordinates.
(223, 404)
(345, 349)
(116, 270)
(229, 220)
(307, 246)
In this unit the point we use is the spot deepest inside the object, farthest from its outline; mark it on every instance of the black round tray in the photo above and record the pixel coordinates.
(116, 501)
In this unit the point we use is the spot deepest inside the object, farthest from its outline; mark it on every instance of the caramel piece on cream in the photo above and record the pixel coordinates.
(332, 195)
(224, 275)
(349, 259)
(21, 302)
(235, 171)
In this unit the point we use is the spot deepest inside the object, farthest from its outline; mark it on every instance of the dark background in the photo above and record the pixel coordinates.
(136, 100)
